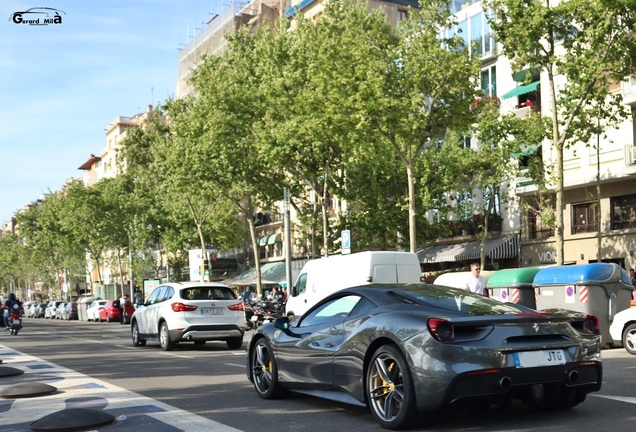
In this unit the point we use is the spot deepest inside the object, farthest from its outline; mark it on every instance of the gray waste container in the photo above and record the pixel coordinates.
(514, 285)
(601, 289)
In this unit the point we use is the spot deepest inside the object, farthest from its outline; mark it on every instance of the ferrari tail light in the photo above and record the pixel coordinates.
(592, 324)
(180, 307)
(236, 307)
(441, 329)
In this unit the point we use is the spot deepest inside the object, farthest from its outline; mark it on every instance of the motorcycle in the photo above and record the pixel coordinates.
(249, 313)
(15, 323)
(265, 312)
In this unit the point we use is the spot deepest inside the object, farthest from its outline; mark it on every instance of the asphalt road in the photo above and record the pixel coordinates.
(210, 381)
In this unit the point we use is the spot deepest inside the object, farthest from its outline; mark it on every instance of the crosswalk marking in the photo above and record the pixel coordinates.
(77, 390)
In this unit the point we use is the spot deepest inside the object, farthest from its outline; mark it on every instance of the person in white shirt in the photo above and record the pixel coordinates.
(475, 282)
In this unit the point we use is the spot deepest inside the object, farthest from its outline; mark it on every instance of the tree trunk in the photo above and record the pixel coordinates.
(325, 219)
(412, 227)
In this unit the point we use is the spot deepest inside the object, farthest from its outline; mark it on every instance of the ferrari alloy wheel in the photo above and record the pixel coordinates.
(164, 338)
(265, 371)
(390, 389)
(629, 339)
(136, 338)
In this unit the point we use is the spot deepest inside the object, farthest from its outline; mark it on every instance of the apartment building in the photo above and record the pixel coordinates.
(96, 168)
(599, 194)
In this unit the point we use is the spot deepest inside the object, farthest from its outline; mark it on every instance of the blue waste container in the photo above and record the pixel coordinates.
(514, 285)
(601, 289)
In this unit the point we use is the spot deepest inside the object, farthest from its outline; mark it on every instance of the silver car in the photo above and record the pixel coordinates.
(189, 312)
(51, 309)
(405, 349)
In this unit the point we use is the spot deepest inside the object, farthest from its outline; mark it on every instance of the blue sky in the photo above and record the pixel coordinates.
(61, 85)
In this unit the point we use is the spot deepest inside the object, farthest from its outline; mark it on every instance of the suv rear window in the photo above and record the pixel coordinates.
(207, 293)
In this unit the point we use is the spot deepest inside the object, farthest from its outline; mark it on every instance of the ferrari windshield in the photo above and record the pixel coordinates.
(453, 299)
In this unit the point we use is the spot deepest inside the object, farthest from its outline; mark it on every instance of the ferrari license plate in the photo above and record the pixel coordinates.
(539, 358)
(212, 311)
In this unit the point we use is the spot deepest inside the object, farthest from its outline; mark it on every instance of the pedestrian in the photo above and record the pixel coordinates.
(279, 295)
(123, 302)
(246, 294)
(139, 299)
(632, 276)
(475, 282)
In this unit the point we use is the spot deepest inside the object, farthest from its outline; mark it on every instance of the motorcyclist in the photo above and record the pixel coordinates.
(10, 305)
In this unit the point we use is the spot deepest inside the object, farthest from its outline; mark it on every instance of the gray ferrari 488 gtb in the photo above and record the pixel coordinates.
(403, 350)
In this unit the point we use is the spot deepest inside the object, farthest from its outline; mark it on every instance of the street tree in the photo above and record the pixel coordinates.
(582, 48)
(81, 213)
(494, 164)
(309, 129)
(48, 250)
(223, 124)
(173, 205)
(415, 89)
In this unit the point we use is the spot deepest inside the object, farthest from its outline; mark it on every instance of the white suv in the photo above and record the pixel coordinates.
(189, 312)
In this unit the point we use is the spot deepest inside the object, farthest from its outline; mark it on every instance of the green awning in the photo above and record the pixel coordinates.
(522, 89)
(274, 238)
(525, 151)
(262, 241)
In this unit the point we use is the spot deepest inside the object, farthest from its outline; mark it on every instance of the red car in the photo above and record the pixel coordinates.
(110, 313)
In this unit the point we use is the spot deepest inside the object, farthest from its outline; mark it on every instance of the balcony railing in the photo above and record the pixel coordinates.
(630, 154)
(628, 88)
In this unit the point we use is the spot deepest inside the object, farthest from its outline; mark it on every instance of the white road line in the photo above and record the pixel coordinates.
(73, 386)
(631, 400)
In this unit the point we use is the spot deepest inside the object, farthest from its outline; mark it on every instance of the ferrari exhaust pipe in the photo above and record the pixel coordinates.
(572, 376)
(504, 383)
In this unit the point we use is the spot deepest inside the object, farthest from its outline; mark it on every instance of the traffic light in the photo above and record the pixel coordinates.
(205, 270)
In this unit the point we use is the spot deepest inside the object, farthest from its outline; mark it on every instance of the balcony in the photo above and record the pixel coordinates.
(628, 88)
(523, 112)
(630, 154)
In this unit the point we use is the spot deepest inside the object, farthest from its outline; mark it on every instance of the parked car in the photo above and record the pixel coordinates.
(623, 330)
(406, 349)
(35, 310)
(51, 308)
(189, 312)
(109, 312)
(70, 311)
(26, 305)
(92, 312)
(59, 312)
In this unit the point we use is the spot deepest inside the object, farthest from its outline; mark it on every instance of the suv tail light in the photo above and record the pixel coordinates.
(180, 307)
(237, 307)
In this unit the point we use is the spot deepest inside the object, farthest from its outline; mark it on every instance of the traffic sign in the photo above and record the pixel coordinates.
(345, 237)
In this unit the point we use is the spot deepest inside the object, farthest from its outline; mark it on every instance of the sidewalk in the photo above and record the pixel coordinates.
(132, 411)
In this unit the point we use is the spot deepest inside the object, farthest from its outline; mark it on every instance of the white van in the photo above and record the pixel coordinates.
(458, 279)
(321, 277)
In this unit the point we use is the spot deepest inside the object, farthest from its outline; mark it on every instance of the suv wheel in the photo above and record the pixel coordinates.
(136, 338)
(234, 343)
(164, 338)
